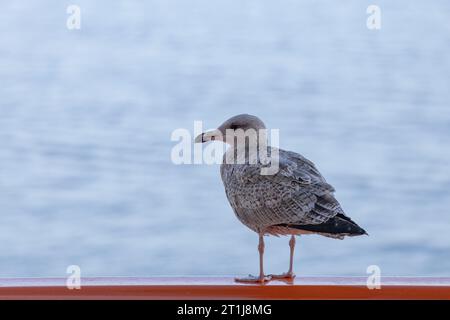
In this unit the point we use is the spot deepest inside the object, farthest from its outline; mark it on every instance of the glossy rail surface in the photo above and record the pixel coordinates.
(225, 288)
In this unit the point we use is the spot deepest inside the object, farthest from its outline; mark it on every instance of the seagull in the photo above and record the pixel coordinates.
(294, 200)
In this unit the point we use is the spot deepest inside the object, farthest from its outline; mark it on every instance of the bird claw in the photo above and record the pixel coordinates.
(253, 279)
(283, 276)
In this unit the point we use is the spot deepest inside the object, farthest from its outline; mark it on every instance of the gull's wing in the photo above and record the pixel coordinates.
(297, 196)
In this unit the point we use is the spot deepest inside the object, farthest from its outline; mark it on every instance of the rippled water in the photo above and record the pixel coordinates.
(86, 118)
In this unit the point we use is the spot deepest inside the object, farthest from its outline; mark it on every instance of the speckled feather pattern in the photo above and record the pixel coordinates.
(296, 194)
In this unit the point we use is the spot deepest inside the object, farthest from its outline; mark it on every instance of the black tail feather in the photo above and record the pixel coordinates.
(338, 225)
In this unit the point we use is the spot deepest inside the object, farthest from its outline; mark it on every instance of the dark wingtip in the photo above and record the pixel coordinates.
(338, 226)
(361, 232)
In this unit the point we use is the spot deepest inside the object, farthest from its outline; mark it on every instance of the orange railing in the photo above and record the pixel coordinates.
(225, 288)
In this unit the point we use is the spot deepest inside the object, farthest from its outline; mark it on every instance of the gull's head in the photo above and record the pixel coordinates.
(243, 122)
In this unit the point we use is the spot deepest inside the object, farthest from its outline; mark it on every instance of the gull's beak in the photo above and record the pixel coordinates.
(215, 135)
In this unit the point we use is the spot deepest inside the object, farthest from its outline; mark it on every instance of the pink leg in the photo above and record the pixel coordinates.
(261, 278)
(290, 274)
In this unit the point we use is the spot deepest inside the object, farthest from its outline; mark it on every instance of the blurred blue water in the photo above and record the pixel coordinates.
(86, 118)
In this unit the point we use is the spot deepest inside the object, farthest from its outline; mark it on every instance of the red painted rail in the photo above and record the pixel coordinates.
(225, 288)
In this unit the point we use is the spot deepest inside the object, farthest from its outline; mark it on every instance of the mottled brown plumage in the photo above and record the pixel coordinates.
(291, 201)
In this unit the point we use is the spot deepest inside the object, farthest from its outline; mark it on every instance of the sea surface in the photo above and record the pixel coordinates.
(86, 118)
